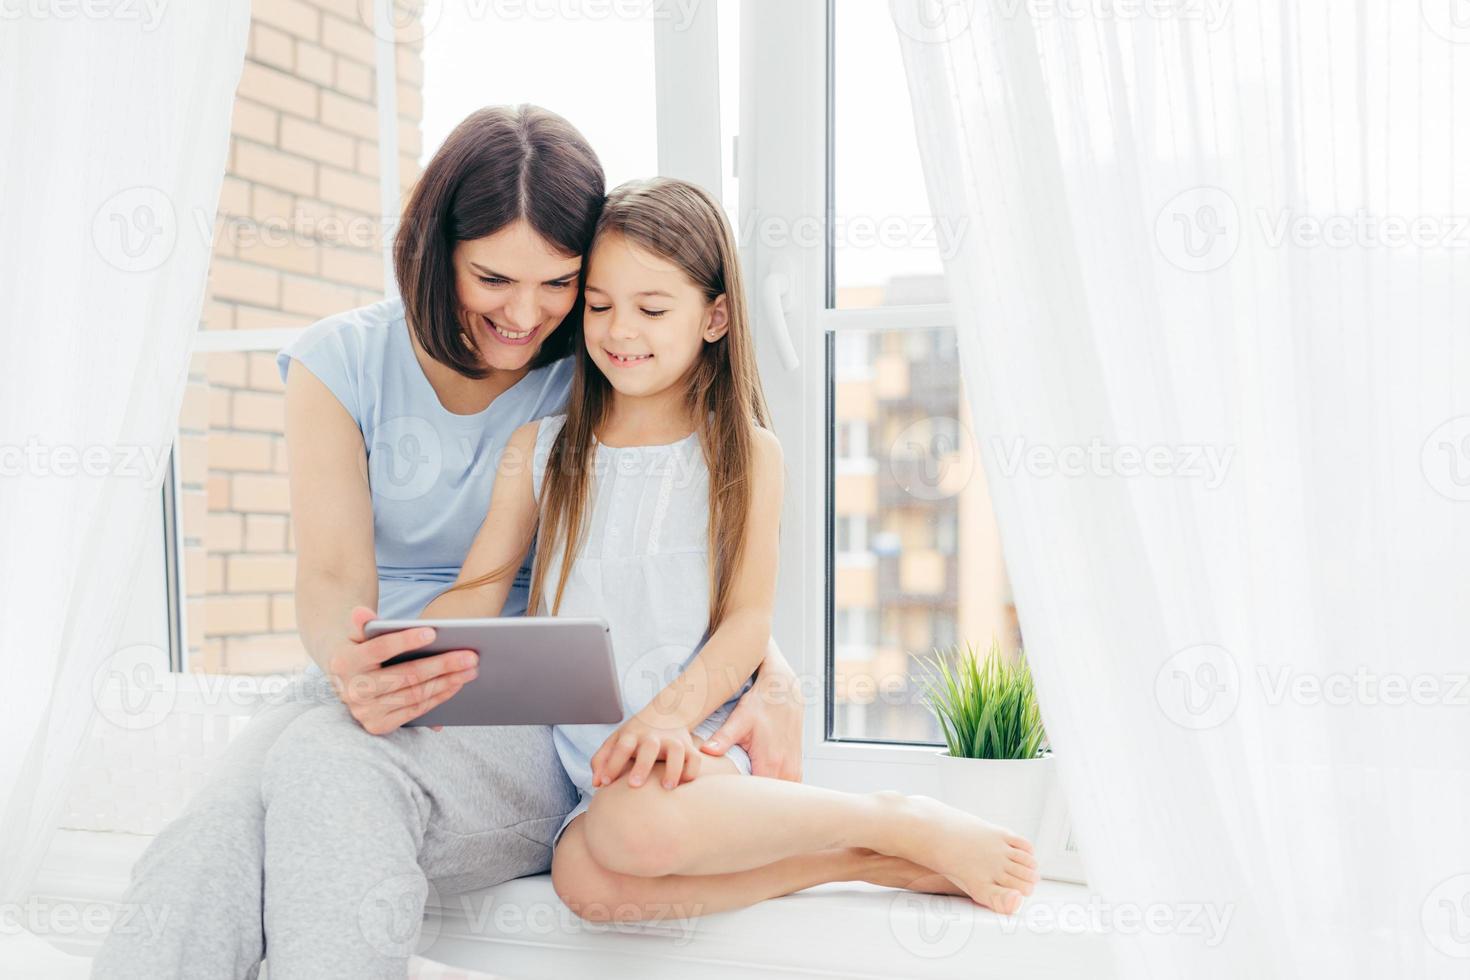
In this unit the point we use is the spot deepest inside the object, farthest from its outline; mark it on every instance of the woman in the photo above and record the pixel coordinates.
(326, 815)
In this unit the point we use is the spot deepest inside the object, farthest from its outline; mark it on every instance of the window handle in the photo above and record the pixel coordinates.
(773, 292)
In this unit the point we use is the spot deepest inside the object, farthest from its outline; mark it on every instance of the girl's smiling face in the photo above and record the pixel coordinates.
(514, 289)
(645, 323)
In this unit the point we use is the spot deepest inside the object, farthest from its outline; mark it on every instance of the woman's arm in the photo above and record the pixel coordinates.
(336, 571)
(740, 642)
(501, 542)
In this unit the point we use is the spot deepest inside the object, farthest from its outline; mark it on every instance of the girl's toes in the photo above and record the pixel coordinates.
(1004, 900)
(1023, 885)
(1020, 843)
(1018, 856)
(1026, 872)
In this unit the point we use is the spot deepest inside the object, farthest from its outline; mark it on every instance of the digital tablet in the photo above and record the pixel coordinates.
(534, 670)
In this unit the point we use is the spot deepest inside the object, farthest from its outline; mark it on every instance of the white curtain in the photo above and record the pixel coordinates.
(114, 130)
(1214, 318)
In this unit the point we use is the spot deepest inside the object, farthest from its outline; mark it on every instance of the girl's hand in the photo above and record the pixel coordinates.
(645, 743)
(381, 698)
(767, 724)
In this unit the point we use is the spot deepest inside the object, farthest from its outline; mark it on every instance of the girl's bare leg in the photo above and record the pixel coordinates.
(714, 826)
(598, 895)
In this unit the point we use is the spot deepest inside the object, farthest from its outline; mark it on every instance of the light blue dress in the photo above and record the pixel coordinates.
(644, 568)
(430, 471)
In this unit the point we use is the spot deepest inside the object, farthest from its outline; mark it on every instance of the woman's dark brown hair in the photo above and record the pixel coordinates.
(501, 165)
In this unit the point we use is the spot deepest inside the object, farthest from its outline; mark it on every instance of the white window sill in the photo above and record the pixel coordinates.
(521, 929)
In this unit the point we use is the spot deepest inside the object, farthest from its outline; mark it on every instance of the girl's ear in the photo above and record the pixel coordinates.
(719, 319)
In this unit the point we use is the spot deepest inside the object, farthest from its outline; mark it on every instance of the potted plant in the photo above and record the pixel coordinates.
(998, 764)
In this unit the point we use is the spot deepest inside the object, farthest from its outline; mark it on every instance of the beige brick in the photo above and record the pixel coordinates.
(226, 368)
(193, 460)
(227, 614)
(281, 467)
(254, 122)
(260, 493)
(315, 63)
(315, 297)
(225, 532)
(360, 268)
(291, 537)
(410, 102)
(233, 451)
(194, 511)
(349, 38)
(410, 138)
(208, 659)
(355, 79)
(348, 189)
(260, 573)
(194, 616)
(274, 654)
(219, 491)
(410, 66)
(214, 573)
(270, 206)
(338, 225)
(259, 318)
(259, 411)
(367, 158)
(219, 408)
(194, 412)
(230, 279)
(263, 374)
(265, 532)
(283, 613)
(349, 115)
(294, 16)
(218, 316)
(279, 249)
(195, 561)
(353, 10)
(234, 198)
(273, 47)
(274, 168)
(278, 90)
(307, 139)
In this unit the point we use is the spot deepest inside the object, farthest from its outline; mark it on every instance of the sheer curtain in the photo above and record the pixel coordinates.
(1213, 314)
(114, 129)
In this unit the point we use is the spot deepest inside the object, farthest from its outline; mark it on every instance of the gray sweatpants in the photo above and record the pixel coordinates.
(316, 843)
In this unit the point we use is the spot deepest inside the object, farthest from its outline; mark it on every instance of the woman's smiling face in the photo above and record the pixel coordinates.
(514, 289)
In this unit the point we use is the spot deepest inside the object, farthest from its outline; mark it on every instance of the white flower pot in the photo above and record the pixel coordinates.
(1011, 793)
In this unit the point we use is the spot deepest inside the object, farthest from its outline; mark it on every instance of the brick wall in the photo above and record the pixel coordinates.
(298, 237)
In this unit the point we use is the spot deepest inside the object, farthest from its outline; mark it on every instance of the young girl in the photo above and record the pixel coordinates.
(654, 503)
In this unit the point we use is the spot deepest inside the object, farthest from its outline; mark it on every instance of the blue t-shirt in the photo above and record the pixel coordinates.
(430, 471)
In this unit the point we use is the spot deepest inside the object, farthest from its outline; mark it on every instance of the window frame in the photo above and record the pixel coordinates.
(687, 95)
(787, 105)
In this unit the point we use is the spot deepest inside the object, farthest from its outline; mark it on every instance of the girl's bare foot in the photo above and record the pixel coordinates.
(994, 866)
(888, 871)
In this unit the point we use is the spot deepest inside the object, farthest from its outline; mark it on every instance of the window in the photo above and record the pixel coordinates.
(334, 120)
(874, 417)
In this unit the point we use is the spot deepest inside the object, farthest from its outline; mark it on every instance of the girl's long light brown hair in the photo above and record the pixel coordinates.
(680, 222)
